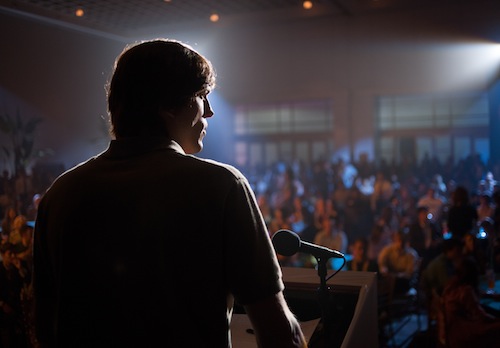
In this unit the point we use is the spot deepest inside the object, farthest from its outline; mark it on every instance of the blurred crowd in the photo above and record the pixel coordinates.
(390, 219)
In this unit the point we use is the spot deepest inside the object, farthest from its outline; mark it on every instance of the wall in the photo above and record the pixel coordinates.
(59, 73)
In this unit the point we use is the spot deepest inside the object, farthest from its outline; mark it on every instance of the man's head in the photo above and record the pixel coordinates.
(360, 249)
(155, 80)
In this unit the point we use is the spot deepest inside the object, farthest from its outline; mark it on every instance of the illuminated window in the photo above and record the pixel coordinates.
(441, 126)
(307, 117)
(411, 112)
(285, 131)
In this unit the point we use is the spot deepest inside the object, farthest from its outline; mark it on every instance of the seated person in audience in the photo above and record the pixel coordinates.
(15, 234)
(466, 322)
(433, 202)
(360, 260)
(440, 269)
(331, 235)
(379, 238)
(399, 260)
(423, 235)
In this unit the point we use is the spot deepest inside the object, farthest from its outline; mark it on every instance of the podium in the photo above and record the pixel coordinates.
(352, 306)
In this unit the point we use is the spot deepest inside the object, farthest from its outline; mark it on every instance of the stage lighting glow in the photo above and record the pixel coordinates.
(466, 65)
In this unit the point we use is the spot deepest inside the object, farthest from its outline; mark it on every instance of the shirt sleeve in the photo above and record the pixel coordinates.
(252, 266)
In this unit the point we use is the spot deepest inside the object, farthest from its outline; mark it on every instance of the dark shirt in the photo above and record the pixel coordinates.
(461, 219)
(143, 245)
(417, 237)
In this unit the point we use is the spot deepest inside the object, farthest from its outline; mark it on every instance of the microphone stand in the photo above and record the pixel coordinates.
(324, 292)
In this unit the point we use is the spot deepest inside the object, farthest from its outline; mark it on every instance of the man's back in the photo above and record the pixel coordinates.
(140, 245)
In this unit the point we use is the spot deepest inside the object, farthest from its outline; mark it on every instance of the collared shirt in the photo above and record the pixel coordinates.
(145, 246)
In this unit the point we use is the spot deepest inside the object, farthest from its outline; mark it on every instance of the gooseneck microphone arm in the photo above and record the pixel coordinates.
(287, 243)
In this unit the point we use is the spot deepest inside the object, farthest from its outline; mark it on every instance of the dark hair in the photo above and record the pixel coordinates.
(460, 196)
(151, 77)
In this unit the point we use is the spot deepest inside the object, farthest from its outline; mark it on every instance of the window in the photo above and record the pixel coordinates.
(441, 125)
(305, 117)
(285, 131)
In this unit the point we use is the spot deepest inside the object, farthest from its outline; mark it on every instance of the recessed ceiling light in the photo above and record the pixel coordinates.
(214, 17)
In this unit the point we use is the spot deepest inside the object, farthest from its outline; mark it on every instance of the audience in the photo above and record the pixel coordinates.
(373, 202)
(466, 322)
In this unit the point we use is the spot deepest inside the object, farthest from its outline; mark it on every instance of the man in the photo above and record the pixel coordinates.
(146, 245)
(434, 203)
(399, 260)
(424, 235)
(442, 267)
(331, 235)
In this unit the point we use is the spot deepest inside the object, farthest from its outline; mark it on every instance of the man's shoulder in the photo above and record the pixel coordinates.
(218, 166)
(75, 172)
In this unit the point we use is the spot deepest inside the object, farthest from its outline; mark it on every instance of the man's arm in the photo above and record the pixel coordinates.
(274, 324)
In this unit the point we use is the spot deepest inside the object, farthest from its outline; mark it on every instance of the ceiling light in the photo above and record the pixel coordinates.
(214, 17)
(79, 12)
(307, 4)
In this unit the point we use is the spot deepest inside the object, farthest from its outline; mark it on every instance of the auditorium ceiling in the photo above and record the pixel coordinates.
(131, 18)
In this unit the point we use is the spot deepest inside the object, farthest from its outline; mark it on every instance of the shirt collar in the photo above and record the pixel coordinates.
(127, 147)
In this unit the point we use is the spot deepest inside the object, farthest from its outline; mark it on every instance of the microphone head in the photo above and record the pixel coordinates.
(286, 242)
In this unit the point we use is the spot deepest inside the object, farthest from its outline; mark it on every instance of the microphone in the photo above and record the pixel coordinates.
(288, 243)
